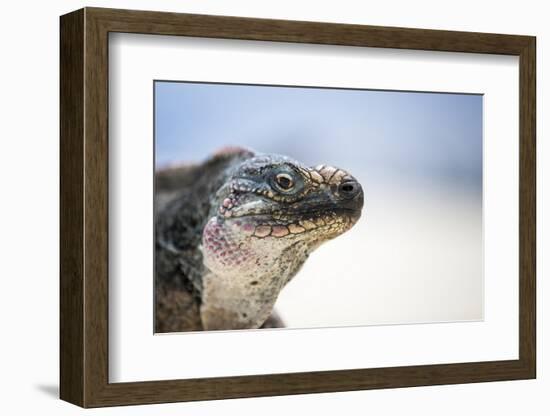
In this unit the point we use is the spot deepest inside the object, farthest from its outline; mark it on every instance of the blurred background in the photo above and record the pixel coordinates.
(416, 255)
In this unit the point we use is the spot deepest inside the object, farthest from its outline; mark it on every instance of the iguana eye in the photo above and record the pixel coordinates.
(284, 181)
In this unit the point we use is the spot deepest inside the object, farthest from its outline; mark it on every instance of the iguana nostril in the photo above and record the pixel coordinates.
(349, 189)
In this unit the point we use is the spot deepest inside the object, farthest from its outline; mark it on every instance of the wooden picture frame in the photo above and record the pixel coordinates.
(84, 207)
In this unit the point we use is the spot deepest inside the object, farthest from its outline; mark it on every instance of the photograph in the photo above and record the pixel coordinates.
(304, 207)
(284, 206)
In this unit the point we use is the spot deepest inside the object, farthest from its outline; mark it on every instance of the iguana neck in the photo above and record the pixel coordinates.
(244, 277)
(232, 302)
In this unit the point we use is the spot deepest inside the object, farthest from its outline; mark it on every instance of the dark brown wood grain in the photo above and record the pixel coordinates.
(71, 201)
(84, 207)
(527, 208)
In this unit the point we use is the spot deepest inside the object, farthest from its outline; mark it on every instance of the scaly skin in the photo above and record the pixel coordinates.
(238, 232)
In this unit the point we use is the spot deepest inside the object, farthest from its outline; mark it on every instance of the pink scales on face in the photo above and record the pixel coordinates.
(221, 247)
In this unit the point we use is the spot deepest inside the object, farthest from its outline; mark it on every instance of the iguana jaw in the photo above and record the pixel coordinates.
(246, 272)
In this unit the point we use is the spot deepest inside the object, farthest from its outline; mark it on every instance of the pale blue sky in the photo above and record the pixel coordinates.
(382, 135)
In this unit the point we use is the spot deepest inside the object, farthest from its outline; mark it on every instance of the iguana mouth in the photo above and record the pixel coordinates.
(277, 216)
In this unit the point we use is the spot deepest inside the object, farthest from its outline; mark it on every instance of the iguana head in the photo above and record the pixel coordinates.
(267, 217)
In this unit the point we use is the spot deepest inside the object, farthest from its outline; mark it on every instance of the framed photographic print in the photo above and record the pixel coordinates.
(255, 207)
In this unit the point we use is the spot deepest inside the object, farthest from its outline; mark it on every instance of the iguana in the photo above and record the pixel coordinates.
(232, 232)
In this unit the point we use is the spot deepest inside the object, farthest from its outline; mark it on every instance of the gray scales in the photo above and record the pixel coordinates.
(231, 232)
